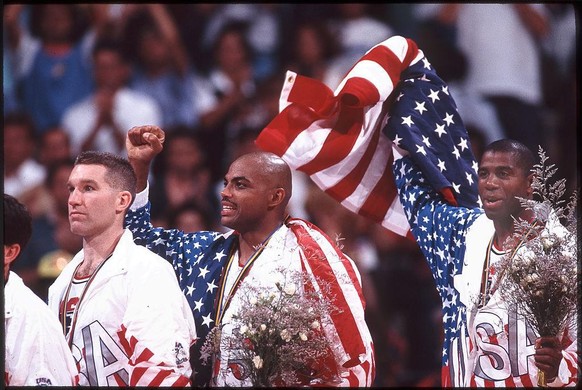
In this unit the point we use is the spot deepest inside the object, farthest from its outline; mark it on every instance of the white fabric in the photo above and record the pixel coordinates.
(130, 109)
(490, 353)
(36, 352)
(283, 255)
(503, 56)
(134, 305)
(28, 176)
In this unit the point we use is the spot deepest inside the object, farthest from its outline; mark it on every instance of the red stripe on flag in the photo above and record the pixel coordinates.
(338, 143)
(359, 93)
(350, 182)
(144, 356)
(344, 322)
(182, 381)
(314, 94)
(380, 199)
(390, 61)
(284, 128)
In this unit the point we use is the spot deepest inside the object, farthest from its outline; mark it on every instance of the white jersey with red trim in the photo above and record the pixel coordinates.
(132, 325)
(36, 352)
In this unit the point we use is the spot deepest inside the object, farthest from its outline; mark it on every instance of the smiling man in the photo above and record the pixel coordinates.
(213, 267)
(485, 344)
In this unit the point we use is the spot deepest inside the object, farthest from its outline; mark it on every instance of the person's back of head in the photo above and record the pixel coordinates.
(17, 229)
(17, 222)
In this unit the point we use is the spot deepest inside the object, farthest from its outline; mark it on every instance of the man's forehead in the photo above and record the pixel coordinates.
(88, 172)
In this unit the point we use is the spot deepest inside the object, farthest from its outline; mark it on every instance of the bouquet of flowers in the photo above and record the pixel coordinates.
(277, 332)
(539, 274)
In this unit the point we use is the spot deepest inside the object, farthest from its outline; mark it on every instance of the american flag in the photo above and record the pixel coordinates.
(199, 258)
(344, 141)
(391, 103)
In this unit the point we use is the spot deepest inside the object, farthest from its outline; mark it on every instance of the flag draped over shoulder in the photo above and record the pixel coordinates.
(344, 140)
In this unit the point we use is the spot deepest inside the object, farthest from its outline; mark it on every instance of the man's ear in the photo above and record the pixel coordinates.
(11, 252)
(277, 196)
(123, 201)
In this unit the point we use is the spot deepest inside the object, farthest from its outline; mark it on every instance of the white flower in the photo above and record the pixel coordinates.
(527, 256)
(535, 277)
(258, 362)
(315, 325)
(290, 289)
(285, 335)
(243, 329)
(302, 336)
(548, 240)
(263, 326)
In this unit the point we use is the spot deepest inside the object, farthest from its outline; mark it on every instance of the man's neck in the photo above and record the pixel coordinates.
(95, 251)
(250, 242)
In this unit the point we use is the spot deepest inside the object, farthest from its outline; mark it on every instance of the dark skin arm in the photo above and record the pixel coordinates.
(548, 356)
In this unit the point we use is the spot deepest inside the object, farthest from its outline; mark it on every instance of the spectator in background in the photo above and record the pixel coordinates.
(161, 65)
(35, 351)
(313, 48)
(224, 92)
(191, 217)
(55, 145)
(192, 20)
(410, 333)
(49, 217)
(53, 57)
(560, 88)
(23, 175)
(262, 32)
(181, 173)
(504, 67)
(99, 122)
(357, 31)
(438, 37)
(11, 101)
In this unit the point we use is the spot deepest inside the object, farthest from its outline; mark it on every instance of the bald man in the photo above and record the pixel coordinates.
(261, 242)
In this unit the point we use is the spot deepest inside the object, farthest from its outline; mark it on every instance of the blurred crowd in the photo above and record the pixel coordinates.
(78, 77)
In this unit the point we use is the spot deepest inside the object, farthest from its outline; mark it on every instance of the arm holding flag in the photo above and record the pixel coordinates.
(337, 138)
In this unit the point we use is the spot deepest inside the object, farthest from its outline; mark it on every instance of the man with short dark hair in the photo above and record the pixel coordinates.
(122, 311)
(485, 344)
(36, 353)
